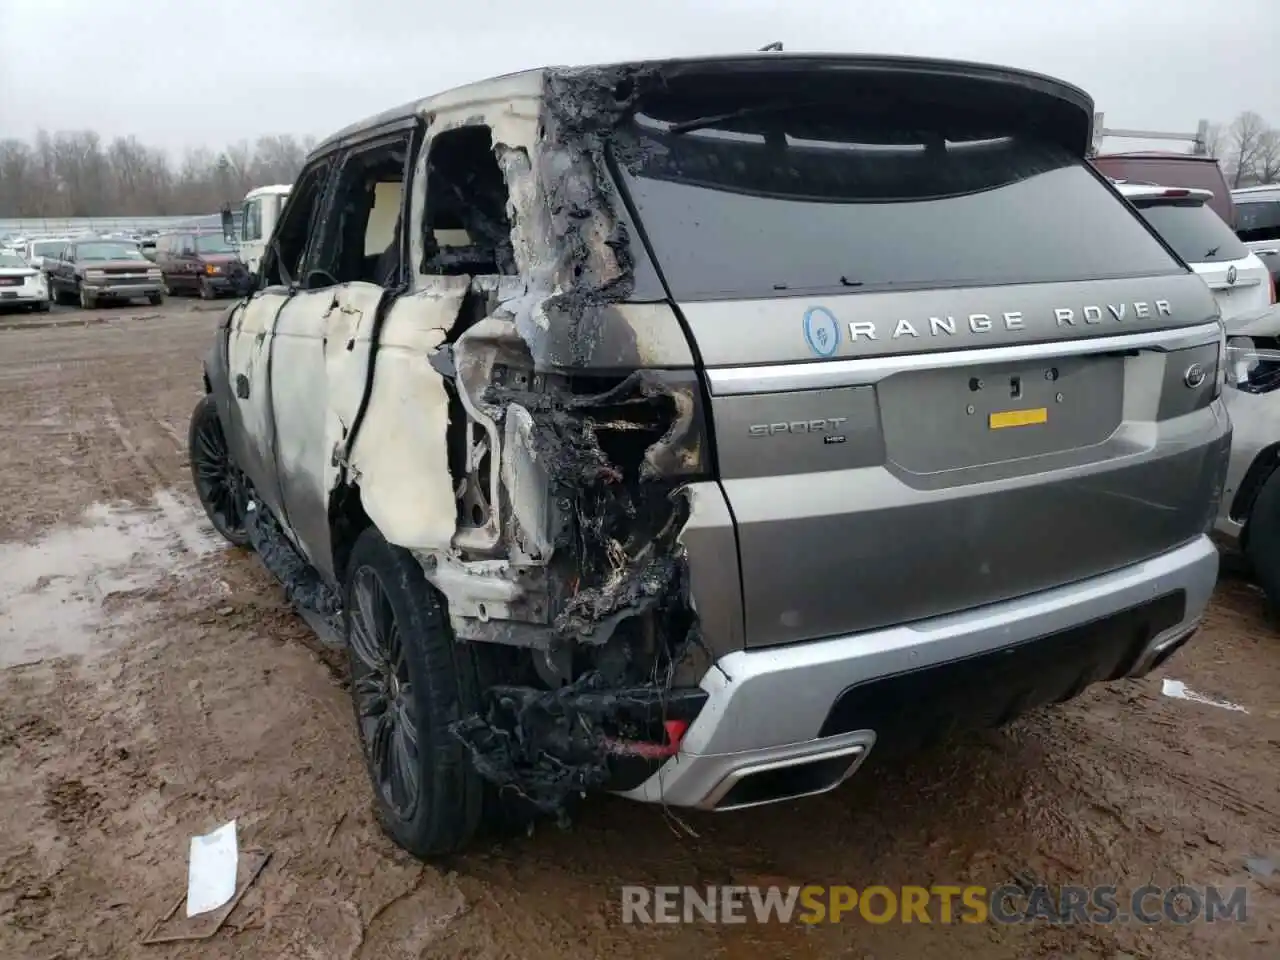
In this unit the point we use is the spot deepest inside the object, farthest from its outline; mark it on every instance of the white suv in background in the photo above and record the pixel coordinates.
(1238, 278)
(34, 251)
(1258, 223)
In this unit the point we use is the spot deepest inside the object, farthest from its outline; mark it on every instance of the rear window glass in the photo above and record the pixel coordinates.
(1195, 231)
(796, 202)
(1258, 220)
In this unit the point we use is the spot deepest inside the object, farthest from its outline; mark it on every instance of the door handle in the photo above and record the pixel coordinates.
(242, 386)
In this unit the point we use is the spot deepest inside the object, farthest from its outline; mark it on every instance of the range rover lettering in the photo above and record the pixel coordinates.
(695, 429)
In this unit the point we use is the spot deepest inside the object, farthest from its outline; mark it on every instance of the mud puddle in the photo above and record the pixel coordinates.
(65, 593)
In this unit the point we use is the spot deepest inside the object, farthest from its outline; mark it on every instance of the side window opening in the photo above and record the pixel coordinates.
(251, 221)
(467, 229)
(363, 239)
(284, 258)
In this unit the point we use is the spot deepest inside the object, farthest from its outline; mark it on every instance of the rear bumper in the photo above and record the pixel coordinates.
(783, 721)
(22, 297)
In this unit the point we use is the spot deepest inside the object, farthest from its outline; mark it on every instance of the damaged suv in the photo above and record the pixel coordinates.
(693, 429)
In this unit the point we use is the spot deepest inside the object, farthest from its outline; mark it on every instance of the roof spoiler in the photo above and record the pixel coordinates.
(1053, 109)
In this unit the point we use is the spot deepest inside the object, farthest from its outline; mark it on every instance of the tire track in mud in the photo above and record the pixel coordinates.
(179, 441)
(147, 468)
(1212, 790)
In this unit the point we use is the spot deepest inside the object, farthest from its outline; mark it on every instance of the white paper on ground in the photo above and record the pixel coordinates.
(1178, 689)
(211, 875)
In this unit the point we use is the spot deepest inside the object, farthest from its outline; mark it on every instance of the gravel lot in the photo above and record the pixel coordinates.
(153, 685)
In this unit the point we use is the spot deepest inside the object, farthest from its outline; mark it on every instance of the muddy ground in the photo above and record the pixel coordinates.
(153, 686)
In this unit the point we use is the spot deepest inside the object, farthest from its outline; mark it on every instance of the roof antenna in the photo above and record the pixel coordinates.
(770, 47)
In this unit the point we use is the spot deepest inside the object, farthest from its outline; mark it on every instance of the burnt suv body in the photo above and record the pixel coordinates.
(690, 429)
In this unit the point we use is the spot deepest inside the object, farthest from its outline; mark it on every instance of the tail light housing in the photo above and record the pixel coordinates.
(653, 424)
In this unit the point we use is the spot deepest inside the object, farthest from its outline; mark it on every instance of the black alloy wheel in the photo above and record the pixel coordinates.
(410, 681)
(218, 481)
(384, 696)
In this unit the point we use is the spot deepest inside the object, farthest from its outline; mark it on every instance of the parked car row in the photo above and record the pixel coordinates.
(92, 270)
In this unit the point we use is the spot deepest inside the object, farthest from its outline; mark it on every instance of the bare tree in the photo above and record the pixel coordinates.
(1246, 134)
(74, 174)
(1215, 141)
(1267, 167)
(18, 175)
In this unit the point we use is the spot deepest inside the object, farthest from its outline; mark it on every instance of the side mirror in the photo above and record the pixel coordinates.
(228, 224)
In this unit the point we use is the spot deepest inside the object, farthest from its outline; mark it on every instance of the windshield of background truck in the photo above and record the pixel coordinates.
(108, 251)
(807, 202)
(213, 243)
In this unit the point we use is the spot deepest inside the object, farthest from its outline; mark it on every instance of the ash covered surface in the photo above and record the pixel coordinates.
(550, 745)
(581, 203)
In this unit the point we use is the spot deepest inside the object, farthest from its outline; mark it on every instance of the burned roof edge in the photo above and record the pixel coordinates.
(529, 84)
(526, 85)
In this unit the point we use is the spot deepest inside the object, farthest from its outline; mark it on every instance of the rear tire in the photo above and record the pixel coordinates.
(409, 681)
(1263, 541)
(218, 481)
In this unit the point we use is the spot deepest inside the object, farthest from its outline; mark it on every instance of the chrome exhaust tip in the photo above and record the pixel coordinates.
(807, 775)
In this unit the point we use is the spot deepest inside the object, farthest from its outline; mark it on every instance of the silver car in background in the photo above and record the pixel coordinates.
(1249, 523)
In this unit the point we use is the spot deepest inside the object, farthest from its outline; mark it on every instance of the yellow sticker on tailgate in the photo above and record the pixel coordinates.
(1018, 418)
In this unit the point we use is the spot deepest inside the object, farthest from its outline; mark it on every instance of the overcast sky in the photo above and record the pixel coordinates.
(180, 75)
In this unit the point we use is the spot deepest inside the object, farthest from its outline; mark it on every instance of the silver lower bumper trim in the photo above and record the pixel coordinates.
(767, 705)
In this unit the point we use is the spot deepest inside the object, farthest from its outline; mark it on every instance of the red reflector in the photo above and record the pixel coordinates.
(676, 730)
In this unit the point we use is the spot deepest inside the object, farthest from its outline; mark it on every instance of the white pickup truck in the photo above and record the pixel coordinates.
(259, 214)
